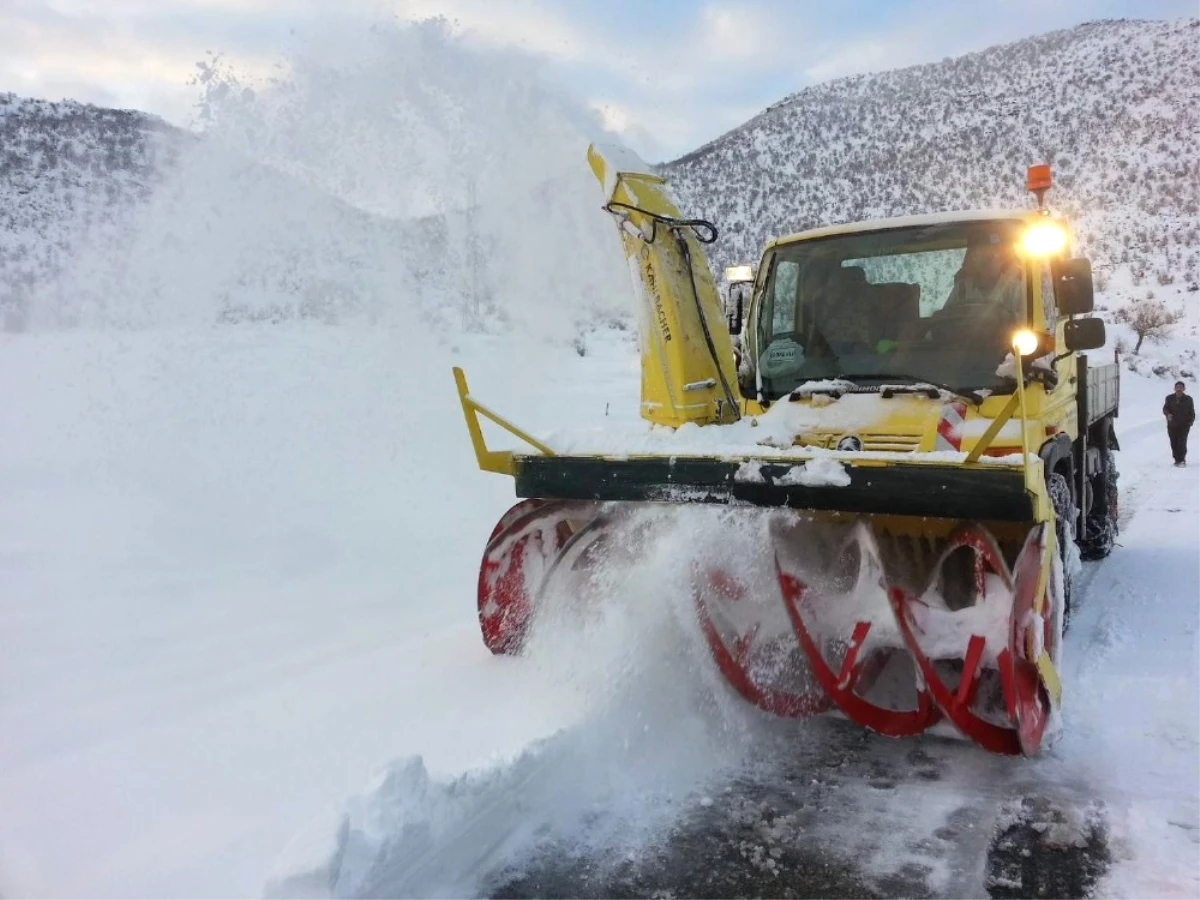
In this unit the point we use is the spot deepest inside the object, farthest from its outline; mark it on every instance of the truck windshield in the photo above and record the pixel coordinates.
(936, 302)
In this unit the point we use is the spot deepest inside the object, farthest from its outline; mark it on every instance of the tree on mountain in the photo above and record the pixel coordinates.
(1149, 319)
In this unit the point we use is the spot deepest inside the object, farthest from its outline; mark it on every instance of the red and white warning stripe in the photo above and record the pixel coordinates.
(949, 428)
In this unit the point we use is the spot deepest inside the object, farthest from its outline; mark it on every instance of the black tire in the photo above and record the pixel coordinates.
(1059, 490)
(1103, 527)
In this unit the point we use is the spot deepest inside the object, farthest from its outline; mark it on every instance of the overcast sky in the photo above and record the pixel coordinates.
(671, 74)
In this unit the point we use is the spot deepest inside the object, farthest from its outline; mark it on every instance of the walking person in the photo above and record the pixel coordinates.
(1180, 413)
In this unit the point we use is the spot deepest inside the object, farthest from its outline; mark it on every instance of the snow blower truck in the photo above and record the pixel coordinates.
(910, 418)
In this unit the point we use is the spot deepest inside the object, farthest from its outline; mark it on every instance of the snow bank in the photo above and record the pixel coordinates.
(776, 430)
(653, 730)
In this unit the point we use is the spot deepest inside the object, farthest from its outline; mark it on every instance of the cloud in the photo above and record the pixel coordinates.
(675, 73)
(736, 32)
(858, 57)
(136, 53)
(537, 27)
(646, 82)
(52, 54)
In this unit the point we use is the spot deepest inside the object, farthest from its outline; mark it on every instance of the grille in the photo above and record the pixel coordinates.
(893, 443)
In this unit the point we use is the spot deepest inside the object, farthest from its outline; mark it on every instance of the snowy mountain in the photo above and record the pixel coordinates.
(66, 172)
(390, 185)
(1113, 106)
(93, 195)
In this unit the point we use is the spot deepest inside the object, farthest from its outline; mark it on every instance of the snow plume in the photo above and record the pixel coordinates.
(650, 730)
(383, 172)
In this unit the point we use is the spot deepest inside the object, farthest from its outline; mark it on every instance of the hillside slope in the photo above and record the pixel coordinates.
(1114, 106)
(67, 171)
(114, 217)
(400, 175)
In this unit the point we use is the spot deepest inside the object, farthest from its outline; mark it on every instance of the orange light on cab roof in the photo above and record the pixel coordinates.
(1037, 178)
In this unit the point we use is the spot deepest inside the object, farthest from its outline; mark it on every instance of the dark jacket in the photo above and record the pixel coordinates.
(1181, 410)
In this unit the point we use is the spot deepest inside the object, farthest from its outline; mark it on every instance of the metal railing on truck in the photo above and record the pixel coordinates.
(1102, 391)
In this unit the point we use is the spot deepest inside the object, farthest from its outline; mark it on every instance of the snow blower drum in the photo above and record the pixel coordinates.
(899, 624)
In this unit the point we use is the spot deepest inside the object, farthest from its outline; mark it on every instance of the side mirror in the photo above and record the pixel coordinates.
(1074, 290)
(1084, 334)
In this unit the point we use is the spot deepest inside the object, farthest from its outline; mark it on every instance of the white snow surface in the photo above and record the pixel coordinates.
(238, 577)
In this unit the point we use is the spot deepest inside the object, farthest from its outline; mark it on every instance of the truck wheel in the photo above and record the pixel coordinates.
(1102, 526)
(1064, 532)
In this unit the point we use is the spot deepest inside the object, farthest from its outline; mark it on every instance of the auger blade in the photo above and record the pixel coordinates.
(857, 622)
(892, 624)
(525, 543)
(760, 662)
(959, 630)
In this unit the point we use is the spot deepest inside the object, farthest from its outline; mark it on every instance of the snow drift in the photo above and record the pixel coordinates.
(648, 728)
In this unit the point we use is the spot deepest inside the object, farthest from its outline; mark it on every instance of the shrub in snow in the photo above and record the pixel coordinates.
(1150, 320)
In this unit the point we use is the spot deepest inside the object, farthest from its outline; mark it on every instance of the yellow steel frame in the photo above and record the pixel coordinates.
(999, 422)
(1045, 666)
(500, 461)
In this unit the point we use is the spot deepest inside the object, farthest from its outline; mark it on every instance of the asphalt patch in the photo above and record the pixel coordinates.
(819, 821)
(1047, 848)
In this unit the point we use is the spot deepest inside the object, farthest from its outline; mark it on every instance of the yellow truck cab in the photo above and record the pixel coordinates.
(925, 308)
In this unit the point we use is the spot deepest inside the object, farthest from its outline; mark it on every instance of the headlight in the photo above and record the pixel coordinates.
(849, 444)
(739, 274)
(1044, 239)
(1025, 342)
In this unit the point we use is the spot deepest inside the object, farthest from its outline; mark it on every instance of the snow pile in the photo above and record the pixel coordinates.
(750, 472)
(239, 576)
(814, 473)
(776, 435)
(651, 729)
(817, 473)
(776, 429)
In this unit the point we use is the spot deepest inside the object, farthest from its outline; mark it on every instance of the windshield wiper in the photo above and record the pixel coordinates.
(914, 385)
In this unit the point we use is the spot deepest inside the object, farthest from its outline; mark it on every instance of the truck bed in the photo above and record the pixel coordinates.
(1103, 390)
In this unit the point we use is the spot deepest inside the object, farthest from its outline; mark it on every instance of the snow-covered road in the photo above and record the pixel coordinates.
(237, 578)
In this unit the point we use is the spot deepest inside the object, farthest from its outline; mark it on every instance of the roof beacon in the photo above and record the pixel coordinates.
(1037, 180)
